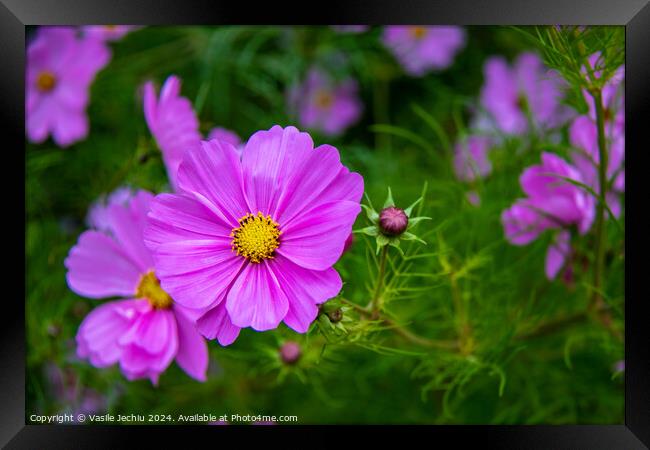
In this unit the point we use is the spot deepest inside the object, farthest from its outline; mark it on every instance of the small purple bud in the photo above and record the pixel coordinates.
(290, 352)
(393, 221)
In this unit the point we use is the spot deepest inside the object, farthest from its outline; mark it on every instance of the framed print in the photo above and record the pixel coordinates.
(407, 216)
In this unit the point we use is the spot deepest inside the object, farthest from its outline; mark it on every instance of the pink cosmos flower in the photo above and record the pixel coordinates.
(108, 32)
(251, 242)
(471, 159)
(60, 69)
(98, 216)
(552, 203)
(145, 330)
(325, 105)
(612, 94)
(583, 135)
(172, 122)
(422, 49)
(527, 91)
(558, 253)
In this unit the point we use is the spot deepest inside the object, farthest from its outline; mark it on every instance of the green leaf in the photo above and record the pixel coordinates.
(411, 237)
(382, 241)
(389, 199)
(415, 220)
(395, 243)
(434, 124)
(403, 133)
(370, 231)
(410, 208)
(373, 216)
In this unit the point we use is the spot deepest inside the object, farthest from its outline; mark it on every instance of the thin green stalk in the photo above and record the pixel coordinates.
(599, 266)
(597, 305)
(464, 329)
(375, 304)
(402, 331)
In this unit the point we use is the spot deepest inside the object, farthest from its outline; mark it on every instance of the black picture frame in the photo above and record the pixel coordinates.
(15, 15)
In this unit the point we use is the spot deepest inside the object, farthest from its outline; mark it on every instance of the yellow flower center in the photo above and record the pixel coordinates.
(418, 32)
(45, 81)
(256, 238)
(324, 99)
(149, 288)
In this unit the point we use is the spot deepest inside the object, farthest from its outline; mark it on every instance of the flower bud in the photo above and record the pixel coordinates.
(335, 315)
(290, 352)
(393, 221)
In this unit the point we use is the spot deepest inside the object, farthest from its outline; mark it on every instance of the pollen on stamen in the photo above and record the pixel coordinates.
(149, 289)
(256, 238)
(418, 32)
(46, 81)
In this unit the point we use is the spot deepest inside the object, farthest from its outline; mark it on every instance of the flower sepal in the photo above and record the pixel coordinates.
(391, 225)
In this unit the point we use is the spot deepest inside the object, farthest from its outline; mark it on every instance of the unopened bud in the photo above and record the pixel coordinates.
(335, 315)
(290, 352)
(393, 221)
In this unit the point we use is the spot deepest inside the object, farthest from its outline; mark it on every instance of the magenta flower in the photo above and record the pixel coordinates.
(471, 159)
(251, 242)
(583, 135)
(527, 91)
(558, 253)
(422, 49)
(145, 330)
(98, 216)
(60, 69)
(552, 203)
(172, 122)
(613, 94)
(108, 32)
(325, 105)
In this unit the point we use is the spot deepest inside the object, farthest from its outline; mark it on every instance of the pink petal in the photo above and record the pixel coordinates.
(216, 323)
(256, 299)
(196, 273)
(98, 334)
(39, 120)
(149, 331)
(310, 177)
(269, 159)
(69, 126)
(305, 289)
(98, 267)
(212, 175)
(173, 123)
(127, 223)
(192, 354)
(557, 254)
(175, 217)
(315, 239)
(138, 362)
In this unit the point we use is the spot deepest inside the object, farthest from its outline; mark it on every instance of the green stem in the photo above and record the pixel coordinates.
(464, 330)
(599, 266)
(375, 304)
(597, 305)
(402, 331)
